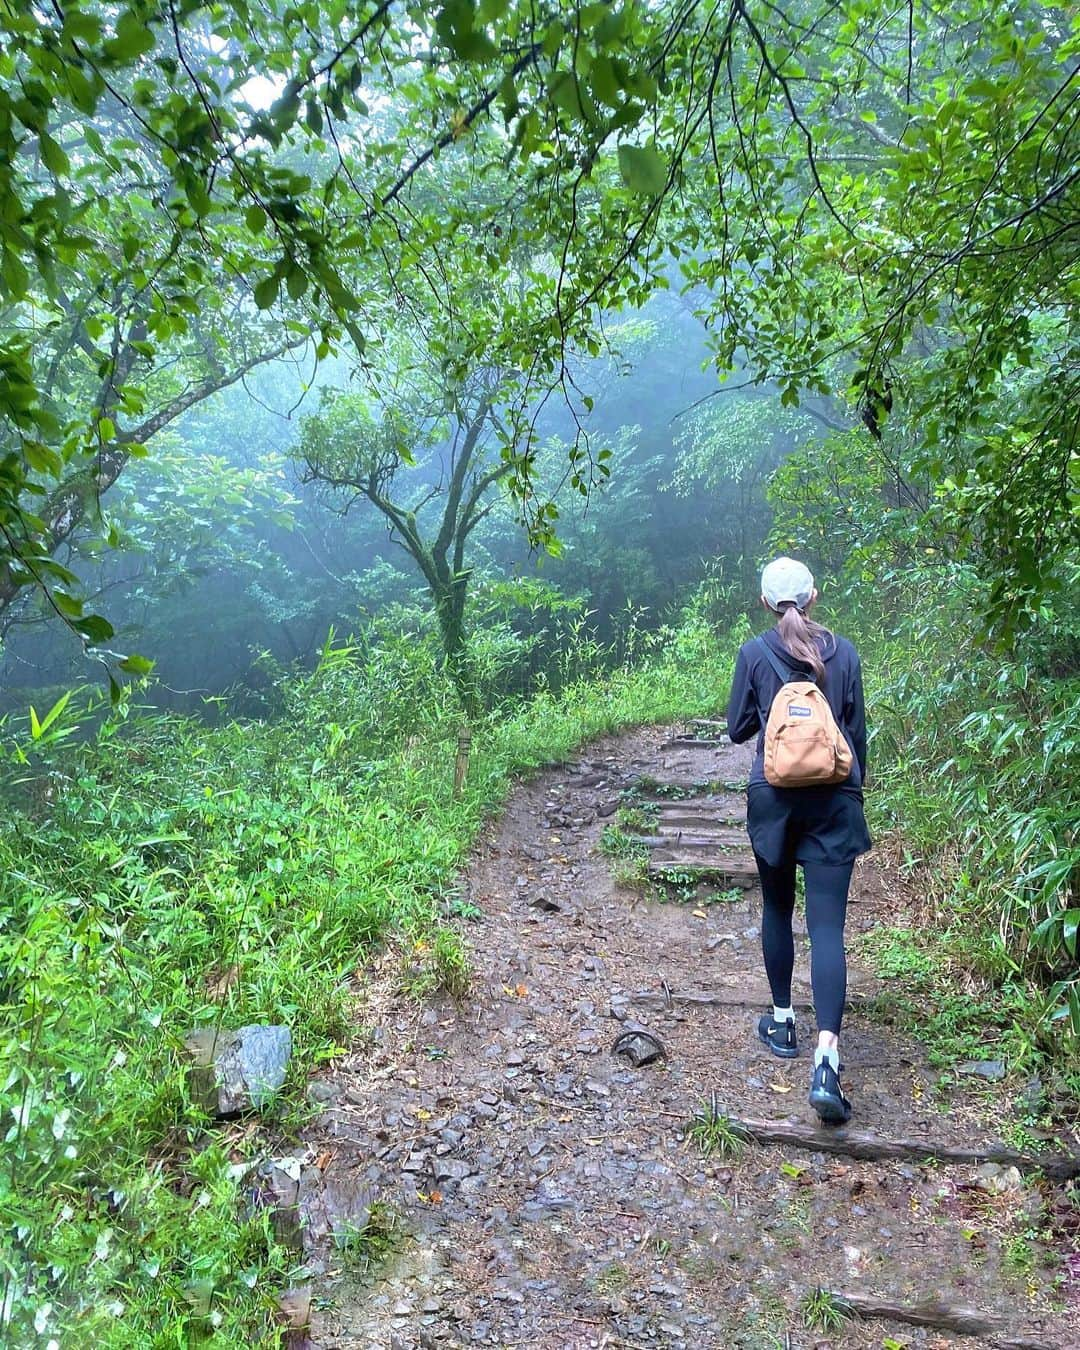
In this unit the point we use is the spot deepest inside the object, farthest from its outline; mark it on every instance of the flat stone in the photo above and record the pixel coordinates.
(991, 1069)
(451, 1169)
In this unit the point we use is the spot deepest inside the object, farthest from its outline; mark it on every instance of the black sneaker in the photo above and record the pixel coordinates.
(826, 1095)
(778, 1036)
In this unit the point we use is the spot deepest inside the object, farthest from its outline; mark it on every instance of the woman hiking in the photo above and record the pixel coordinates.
(819, 827)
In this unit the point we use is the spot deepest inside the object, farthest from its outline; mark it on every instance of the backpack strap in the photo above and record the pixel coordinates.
(784, 673)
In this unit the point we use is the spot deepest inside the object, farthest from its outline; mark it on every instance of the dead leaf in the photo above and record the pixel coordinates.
(219, 982)
(520, 990)
(780, 1087)
(699, 914)
(323, 1161)
(435, 1197)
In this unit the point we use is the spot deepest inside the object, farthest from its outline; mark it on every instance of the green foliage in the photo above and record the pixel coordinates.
(161, 875)
(363, 1249)
(824, 1311)
(873, 207)
(713, 1132)
(975, 762)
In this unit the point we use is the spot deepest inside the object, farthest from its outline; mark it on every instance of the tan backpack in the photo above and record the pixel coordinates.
(803, 745)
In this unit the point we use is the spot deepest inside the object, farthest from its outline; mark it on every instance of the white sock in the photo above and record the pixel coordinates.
(783, 1015)
(832, 1054)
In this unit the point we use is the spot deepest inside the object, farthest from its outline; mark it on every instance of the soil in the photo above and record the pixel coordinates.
(522, 1185)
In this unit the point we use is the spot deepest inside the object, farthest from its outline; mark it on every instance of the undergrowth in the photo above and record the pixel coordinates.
(158, 875)
(975, 780)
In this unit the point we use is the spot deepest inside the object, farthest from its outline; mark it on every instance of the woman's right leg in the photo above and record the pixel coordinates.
(777, 943)
(826, 909)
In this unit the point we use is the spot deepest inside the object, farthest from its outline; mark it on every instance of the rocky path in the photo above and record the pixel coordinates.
(497, 1176)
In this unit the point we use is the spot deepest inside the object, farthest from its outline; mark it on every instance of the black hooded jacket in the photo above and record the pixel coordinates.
(756, 684)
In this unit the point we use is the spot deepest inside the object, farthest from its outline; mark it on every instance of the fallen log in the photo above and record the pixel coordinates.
(941, 1317)
(878, 1148)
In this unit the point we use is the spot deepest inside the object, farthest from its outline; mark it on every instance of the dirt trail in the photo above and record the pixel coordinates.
(549, 1191)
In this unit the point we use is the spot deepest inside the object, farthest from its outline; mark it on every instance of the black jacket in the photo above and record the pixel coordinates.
(756, 684)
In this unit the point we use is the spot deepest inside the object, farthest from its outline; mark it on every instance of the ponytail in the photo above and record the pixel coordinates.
(799, 635)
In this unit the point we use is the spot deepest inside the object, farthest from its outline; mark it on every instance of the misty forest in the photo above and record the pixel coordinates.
(398, 405)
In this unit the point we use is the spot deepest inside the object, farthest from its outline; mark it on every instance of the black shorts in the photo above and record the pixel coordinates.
(807, 825)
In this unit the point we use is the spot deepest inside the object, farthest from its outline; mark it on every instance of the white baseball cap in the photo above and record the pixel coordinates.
(785, 579)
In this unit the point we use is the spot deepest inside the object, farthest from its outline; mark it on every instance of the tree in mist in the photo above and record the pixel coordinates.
(429, 464)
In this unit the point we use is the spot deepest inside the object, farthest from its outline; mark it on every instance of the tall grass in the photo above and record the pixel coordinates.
(157, 874)
(975, 761)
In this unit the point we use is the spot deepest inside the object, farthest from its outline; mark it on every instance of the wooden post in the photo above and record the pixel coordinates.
(461, 764)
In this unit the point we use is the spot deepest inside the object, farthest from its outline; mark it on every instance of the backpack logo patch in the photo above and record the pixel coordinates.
(795, 710)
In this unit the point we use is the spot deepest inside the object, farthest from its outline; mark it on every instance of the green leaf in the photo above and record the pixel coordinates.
(643, 168)
(603, 82)
(134, 38)
(475, 46)
(67, 604)
(38, 729)
(266, 292)
(255, 219)
(53, 155)
(136, 665)
(1070, 925)
(94, 628)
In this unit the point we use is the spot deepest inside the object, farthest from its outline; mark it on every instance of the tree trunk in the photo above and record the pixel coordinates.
(450, 609)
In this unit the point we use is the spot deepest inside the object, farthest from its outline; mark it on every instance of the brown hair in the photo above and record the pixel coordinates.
(798, 633)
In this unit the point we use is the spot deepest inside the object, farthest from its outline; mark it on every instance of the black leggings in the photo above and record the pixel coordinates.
(826, 907)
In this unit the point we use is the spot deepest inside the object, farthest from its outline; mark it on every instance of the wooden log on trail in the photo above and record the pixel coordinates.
(684, 839)
(703, 1001)
(956, 1318)
(878, 1148)
(648, 1000)
(672, 818)
(710, 863)
(694, 743)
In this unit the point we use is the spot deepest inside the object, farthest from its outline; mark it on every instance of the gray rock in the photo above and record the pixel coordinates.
(451, 1169)
(547, 904)
(639, 1047)
(235, 1071)
(991, 1069)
